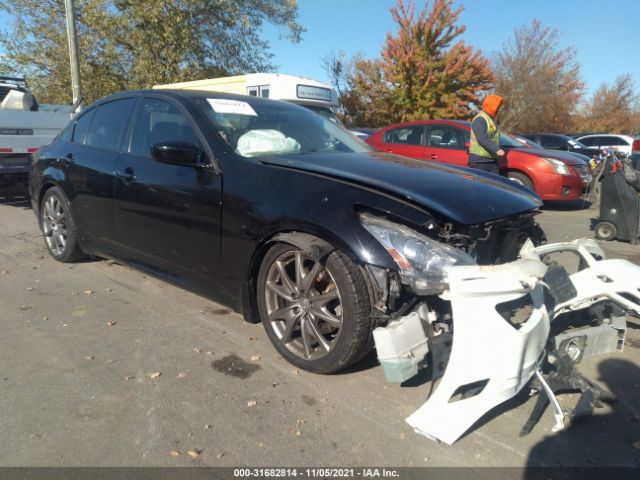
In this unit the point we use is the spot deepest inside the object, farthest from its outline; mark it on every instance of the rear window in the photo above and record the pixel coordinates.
(82, 126)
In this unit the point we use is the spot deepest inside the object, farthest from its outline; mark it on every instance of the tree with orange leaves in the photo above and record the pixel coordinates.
(430, 77)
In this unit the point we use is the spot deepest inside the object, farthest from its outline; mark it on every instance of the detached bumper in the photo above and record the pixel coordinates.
(501, 323)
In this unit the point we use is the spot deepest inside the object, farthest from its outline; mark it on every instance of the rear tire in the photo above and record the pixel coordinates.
(606, 231)
(319, 320)
(59, 230)
(521, 179)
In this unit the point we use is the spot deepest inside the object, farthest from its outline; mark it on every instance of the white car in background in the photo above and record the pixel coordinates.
(619, 143)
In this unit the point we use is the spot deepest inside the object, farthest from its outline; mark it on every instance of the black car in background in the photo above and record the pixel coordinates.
(271, 209)
(556, 141)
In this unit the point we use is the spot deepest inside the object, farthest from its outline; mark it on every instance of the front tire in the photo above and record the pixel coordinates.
(59, 230)
(521, 179)
(316, 312)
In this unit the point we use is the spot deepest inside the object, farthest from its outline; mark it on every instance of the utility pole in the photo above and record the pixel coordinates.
(73, 50)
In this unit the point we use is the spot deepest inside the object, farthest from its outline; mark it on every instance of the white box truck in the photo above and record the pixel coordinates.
(315, 95)
(25, 126)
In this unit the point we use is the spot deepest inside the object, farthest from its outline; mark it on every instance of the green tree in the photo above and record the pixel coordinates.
(540, 81)
(138, 43)
(430, 76)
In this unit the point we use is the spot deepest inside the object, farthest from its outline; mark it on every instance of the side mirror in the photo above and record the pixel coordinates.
(466, 145)
(176, 152)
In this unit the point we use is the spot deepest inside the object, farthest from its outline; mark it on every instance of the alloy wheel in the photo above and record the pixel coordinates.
(303, 305)
(54, 225)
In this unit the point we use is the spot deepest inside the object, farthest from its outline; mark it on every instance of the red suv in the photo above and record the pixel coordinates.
(552, 175)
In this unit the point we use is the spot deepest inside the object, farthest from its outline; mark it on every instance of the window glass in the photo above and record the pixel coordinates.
(253, 91)
(589, 141)
(445, 136)
(409, 135)
(264, 91)
(614, 141)
(255, 127)
(65, 135)
(82, 125)
(110, 124)
(159, 121)
(549, 141)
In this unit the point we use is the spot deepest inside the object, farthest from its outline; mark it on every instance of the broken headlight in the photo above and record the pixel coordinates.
(423, 261)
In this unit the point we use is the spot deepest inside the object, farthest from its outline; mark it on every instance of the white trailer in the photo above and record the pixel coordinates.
(315, 95)
(25, 126)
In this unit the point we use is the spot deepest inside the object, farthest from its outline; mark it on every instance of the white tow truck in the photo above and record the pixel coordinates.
(25, 126)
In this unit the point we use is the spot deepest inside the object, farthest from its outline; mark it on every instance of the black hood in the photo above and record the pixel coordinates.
(567, 157)
(463, 195)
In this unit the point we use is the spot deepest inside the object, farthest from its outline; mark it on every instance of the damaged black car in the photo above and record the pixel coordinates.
(273, 210)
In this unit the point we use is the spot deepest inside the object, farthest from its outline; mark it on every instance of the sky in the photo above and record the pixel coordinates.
(605, 33)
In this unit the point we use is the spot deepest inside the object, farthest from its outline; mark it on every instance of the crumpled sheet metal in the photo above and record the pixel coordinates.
(488, 348)
(475, 357)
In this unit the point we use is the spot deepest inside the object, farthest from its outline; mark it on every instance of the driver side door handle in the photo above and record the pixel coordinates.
(127, 175)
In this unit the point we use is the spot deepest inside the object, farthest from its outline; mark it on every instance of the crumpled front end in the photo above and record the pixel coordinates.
(496, 336)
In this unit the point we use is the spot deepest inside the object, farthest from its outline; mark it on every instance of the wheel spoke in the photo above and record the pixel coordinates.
(306, 335)
(310, 277)
(290, 327)
(286, 280)
(56, 243)
(283, 313)
(323, 314)
(299, 265)
(319, 301)
(315, 332)
(281, 291)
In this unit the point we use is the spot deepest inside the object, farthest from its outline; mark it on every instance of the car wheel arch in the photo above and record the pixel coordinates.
(326, 243)
(47, 185)
(526, 174)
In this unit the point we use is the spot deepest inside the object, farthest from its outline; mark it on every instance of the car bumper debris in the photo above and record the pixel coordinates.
(508, 331)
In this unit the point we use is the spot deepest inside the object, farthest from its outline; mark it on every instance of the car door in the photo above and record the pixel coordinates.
(168, 216)
(90, 159)
(407, 140)
(592, 143)
(447, 144)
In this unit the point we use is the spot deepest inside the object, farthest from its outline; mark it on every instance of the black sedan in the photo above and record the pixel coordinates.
(272, 210)
(556, 141)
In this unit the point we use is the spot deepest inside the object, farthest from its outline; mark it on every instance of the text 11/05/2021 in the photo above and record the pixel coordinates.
(315, 473)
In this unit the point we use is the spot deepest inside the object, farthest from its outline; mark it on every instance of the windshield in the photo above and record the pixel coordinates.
(507, 142)
(261, 128)
(576, 143)
(326, 112)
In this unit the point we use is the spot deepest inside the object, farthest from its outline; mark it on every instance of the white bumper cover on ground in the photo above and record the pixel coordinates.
(492, 359)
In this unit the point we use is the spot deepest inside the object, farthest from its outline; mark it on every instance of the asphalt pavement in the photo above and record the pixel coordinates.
(101, 365)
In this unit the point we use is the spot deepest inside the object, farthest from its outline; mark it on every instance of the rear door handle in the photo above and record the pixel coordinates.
(127, 175)
(432, 156)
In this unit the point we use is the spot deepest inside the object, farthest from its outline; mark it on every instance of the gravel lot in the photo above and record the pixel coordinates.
(101, 365)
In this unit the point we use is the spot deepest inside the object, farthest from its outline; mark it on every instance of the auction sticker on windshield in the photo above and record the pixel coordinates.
(221, 105)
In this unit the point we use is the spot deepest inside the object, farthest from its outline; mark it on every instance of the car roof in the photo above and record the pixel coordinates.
(617, 135)
(462, 123)
(182, 93)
